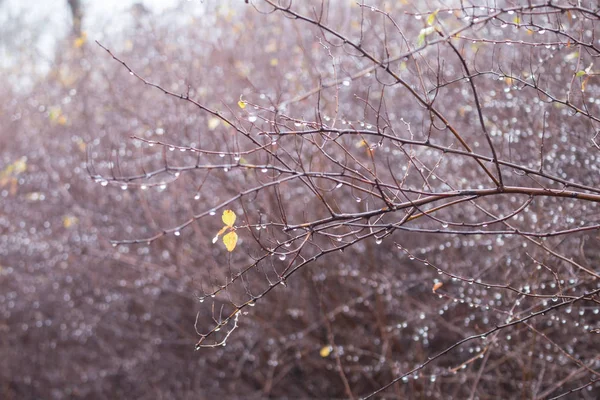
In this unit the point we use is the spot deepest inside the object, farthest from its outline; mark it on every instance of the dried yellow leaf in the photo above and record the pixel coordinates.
(325, 351)
(228, 218)
(213, 123)
(230, 240)
(436, 286)
(242, 104)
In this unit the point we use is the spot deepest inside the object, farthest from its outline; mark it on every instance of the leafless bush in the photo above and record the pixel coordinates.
(428, 176)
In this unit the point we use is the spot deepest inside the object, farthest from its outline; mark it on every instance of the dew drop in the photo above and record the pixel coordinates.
(282, 257)
(177, 233)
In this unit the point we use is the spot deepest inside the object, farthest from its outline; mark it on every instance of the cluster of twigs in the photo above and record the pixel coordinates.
(449, 122)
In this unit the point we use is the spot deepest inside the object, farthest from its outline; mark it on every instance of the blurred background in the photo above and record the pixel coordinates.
(81, 318)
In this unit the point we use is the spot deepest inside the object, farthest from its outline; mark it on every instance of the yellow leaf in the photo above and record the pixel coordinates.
(69, 220)
(325, 351)
(80, 41)
(242, 104)
(230, 240)
(228, 218)
(213, 123)
(436, 286)
(431, 18)
(361, 143)
(274, 62)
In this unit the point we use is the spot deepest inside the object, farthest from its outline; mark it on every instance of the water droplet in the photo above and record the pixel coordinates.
(212, 212)
(378, 240)
(282, 257)
(221, 155)
(197, 196)
(358, 199)
(201, 299)
(103, 183)
(177, 233)
(252, 118)
(264, 170)
(171, 148)
(339, 185)
(123, 187)
(143, 187)
(131, 73)
(236, 157)
(444, 225)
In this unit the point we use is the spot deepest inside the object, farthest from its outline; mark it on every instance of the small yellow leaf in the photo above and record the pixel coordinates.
(69, 220)
(325, 351)
(361, 143)
(228, 218)
(230, 240)
(584, 83)
(213, 123)
(436, 286)
(80, 41)
(274, 62)
(431, 18)
(223, 229)
(242, 104)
